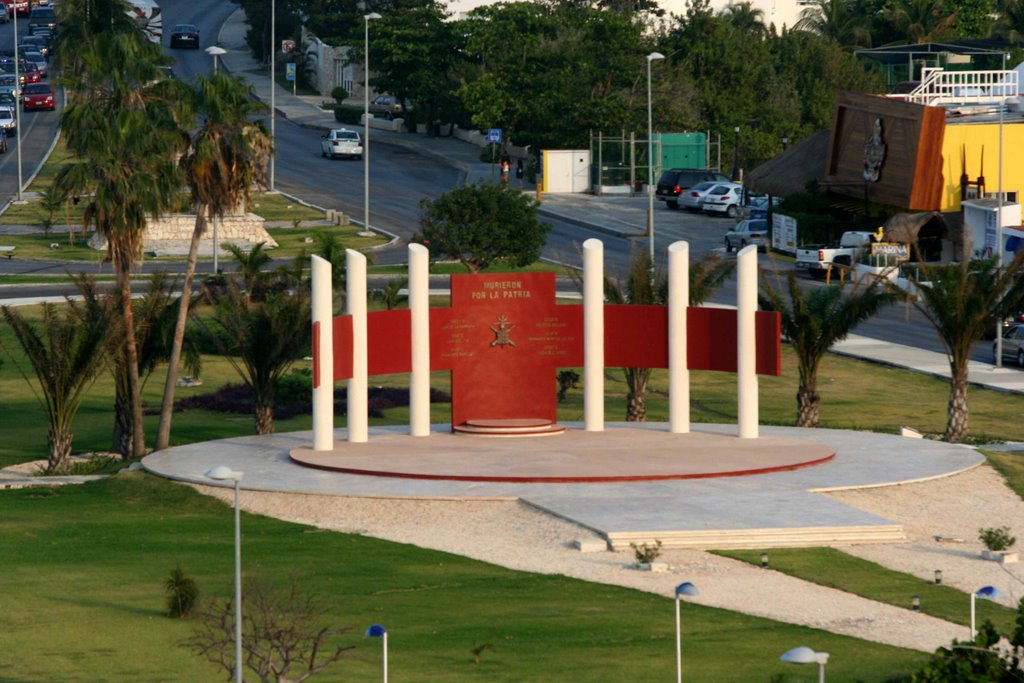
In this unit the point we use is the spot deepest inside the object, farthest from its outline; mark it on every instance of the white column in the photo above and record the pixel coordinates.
(419, 315)
(678, 366)
(323, 394)
(746, 341)
(358, 386)
(593, 335)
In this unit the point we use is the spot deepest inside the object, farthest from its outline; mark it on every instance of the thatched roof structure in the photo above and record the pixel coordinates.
(924, 228)
(789, 172)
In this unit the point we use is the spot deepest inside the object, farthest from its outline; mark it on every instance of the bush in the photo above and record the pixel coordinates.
(182, 593)
(996, 538)
(339, 93)
(646, 554)
(347, 113)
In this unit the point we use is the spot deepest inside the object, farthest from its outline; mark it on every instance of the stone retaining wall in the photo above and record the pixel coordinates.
(171, 235)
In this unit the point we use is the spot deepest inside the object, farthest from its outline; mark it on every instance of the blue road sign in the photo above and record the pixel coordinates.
(289, 71)
(494, 136)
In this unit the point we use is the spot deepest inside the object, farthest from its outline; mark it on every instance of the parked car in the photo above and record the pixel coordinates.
(341, 142)
(1013, 344)
(751, 231)
(675, 180)
(38, 96)
(389, 107)
(693, 198)
(724, 198)
(9, 120)
(42, 18)
(185, 35)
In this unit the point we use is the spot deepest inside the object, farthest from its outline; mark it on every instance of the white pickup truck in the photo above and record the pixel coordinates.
(817, 260)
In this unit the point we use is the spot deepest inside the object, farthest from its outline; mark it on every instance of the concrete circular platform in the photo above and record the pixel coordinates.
(575, 456)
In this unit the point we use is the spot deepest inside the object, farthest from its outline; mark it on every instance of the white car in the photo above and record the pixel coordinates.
(341, 142)
(8, 121)
(693, 198)
(724, 198)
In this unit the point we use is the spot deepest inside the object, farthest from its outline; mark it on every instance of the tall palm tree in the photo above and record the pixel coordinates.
(261, 340)
(813, 321)
(918, 21)
(122, 127)
(643, 288)
(225, 160)
(836, 20)
(963, 302)
(67, 355)
(745, 17)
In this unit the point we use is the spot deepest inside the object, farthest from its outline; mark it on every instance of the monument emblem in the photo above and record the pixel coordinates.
(874, 152)
(501, 330)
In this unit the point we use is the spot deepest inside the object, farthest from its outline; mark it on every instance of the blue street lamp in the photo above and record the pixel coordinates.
(985, 593)
(687, 589)
(805, 655)
(378, 631)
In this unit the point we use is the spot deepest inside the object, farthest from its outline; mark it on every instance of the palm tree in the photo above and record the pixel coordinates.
(813, 321)
(644, 288)
(835, 20)
(67, 355)
(918, 21)
(226, 158)
(262, 339)
(745, 17)
(964, 301)
(250, 268)
(1009, 24)
(122, 128)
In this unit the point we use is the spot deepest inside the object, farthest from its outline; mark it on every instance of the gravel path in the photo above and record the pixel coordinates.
(517, 536)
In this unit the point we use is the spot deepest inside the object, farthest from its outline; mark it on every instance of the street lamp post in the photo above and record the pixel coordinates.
(805, 655)
(682, 589)
(273, 98)
(736, 154)
(650, 157)
(999, 206)
(785, 141)
(215, 52)
(985, 593)
(17, 117)
(372, 16)
(223, 473)
(378, 631)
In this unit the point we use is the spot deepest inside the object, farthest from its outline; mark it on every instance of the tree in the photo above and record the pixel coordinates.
(250, 268)
(745, 17)
(283, 636)
(483, 223)
(813, 321)
(67, 354)
(122, 127)
(837, 20)
(962, 302)
(643, 288)
(226, 158)
(261, 340)
(992, 657)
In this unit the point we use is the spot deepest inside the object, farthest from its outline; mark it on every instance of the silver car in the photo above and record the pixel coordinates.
(693, 198)
(751, 231)
(341, 142)
(1013, 344)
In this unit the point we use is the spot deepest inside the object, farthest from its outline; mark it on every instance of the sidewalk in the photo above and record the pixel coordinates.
(615, 216)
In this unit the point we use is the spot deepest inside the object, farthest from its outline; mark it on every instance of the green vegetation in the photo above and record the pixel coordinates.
(835, 569)
(90, 563)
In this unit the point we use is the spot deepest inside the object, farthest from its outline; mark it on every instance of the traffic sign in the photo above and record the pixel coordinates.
(289, 71)
(494, 136)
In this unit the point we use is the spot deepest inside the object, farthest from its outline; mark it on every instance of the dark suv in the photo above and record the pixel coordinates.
(674, 180)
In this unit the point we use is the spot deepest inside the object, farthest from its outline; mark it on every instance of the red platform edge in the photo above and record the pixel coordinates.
(565, 480)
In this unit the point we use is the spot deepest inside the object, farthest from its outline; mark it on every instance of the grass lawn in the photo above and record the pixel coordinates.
(84, 567)
(836, 569)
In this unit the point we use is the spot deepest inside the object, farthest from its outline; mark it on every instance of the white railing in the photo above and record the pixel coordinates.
(943, 88)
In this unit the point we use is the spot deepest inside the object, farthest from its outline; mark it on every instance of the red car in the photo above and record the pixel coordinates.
(38, 96)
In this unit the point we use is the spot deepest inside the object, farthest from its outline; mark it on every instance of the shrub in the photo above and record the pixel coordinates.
(347, 113)
(339, 93)
(996, 538)
(646, 554)
(182, 593)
